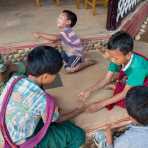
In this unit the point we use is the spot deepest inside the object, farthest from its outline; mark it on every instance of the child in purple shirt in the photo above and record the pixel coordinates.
(73, 50)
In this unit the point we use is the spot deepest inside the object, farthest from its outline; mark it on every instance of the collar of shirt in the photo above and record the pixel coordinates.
(124, 68)
(67, 28)
(139, 127)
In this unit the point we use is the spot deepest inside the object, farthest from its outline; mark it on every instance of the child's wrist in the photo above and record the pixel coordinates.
(91, 90)
(39, 35)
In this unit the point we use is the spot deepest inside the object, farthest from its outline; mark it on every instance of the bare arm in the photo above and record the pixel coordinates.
(115, 125)
(71, 114)
(98, 85)
(117, 97)
(101, 104)
(48, 37)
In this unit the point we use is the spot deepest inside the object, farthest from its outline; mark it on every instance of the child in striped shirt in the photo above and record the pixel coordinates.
(73, 50)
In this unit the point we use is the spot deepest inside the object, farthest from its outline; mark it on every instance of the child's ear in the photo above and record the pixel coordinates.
(68, 22)
(129, 55)
(48, 78)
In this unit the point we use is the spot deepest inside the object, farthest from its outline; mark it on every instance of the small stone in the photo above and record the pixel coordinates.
(142, 30)
(141, 33)
(143, 26)
(16, 56)
(138, 37)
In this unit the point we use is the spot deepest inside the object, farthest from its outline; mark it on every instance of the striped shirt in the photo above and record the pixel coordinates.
(71, 42)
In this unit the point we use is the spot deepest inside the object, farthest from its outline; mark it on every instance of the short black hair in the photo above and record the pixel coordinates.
(44, 59)
(137, 104)
(71, 16)
(121, 40)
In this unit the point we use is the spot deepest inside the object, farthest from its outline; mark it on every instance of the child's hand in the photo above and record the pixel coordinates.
(84, 95)
(108, 134)
(110, 87)
(36, 35)
(94, 107)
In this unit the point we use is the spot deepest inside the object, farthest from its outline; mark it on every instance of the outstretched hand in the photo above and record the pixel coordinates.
(36, 35)
(84, 95)
(94, 107)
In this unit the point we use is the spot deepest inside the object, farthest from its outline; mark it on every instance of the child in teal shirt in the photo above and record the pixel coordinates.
(132, 67)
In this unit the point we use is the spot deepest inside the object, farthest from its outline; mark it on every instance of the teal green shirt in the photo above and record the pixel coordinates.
(136, 70)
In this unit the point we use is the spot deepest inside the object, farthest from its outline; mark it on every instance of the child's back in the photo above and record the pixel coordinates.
(28, 106)
(27, 103)
(134, 137)
(137, 106)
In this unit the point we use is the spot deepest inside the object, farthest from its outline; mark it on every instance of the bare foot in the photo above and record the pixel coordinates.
(81, 66)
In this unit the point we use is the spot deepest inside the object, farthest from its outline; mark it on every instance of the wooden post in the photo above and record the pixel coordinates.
(85, 4)
(57, 2)
(78, 4)
(105, 3)
(94, 6)
(38, 3)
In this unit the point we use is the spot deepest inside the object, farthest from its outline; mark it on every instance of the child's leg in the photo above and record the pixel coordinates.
(74, 61)
(64, 57)
(63, 135)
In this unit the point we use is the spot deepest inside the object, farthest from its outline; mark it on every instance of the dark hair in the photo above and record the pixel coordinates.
(137, 104)
(122, 41)
(44, 59)
(71, 16)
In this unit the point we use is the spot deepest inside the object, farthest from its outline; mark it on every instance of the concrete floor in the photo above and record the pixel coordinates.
(20, 18)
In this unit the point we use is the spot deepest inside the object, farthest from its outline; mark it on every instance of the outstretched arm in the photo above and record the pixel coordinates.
(98, 85)
(47, 37)
(71, 114)
(101, 104)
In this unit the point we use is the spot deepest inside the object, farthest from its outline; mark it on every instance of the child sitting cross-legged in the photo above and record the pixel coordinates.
(27, 110)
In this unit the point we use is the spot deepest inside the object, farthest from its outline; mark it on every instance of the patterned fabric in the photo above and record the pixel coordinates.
(125, 6)
(2, 65)
(71, 61)
(71, 42)
(26, 106)
(21, 70)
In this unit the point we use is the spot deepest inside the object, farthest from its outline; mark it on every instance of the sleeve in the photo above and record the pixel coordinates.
(136, 77)
(64, 37)
(42, 110)
(114, 67)
(55, 116)
(21, 68)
